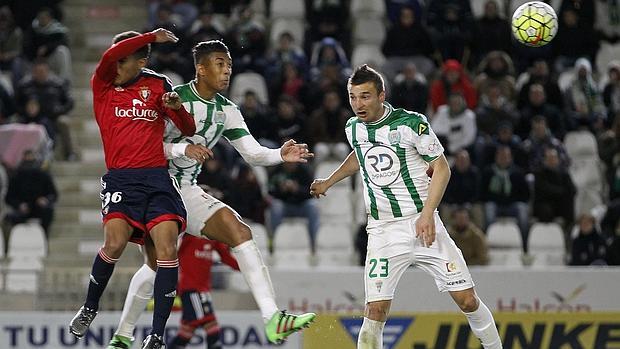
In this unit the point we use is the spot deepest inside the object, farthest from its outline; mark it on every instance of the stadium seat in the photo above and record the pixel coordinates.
(504, 233)
(367, 9)
(22, 273)
(367, 54)
(292, 25)
(248, 81)
(288, 9)
(27, 240)
(508, 257)
(368, 31)
(546, 237)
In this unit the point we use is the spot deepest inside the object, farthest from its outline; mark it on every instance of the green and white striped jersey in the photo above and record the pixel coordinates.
(214, 119)
(393, 153)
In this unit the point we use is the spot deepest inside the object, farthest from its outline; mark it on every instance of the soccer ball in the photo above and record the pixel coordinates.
(534, 24)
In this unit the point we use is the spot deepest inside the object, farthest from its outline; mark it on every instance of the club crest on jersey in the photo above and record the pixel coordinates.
(145, 92)
(220, 117)
(394, 137)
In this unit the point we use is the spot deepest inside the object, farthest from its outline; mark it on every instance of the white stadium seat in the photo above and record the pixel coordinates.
(288, 9)
(248, 81)
(368, 31)
(546, 237)
(27, 240)
(504, 233)
(368, 8)
(292, 25)
(367, 54)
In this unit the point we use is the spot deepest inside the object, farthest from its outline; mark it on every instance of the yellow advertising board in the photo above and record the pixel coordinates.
(451, 331)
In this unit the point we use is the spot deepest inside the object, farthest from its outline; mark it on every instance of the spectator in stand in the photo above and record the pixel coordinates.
(574, 39)
(611, 92)
(54, 99)
(31, 193)
(539, 140)
(288, 185)
(215, 178)
(329, 52)
(504, 137)
(287, 51)
(290, 83)
(494, 109)
(330, 78)
(469, 238)
(183, 13)
(610, 224)
(410, 40)
(588, 247)
(538, 73)
(496, 69)
(290, 121)
(247, 197)
(11, 44)
(494, 29)
(505, 192)
(456, 123)
(451, 23)
(463, 190)
(49, 39)
(554, 192)
(327, 19)
(7, 105)
(584, 99)
(453, 79)
(33, 114)
(205, 28)
(585, 10)
(393, 9)
(247, 41)
(609, 152)
(537, 105)
(325, 129)
(410, 90)
(166, 56)
(613, 250)
(259, 119)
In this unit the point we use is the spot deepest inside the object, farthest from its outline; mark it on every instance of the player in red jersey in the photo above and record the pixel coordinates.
(140, 201)
(196, 259)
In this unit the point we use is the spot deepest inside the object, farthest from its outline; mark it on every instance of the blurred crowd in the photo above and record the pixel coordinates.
(531, 133)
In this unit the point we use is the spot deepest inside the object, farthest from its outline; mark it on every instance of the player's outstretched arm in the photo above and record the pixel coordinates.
(425, 224)
(347, 168)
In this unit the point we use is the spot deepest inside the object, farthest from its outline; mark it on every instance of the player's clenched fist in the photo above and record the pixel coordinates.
(318, 187)
(171, 100)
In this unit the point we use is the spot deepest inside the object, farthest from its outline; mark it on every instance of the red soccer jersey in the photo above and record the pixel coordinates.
(131, 116)
(195, 262)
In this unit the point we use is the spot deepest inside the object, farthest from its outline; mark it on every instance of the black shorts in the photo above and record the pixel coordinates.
(197, 308)
(143, 197)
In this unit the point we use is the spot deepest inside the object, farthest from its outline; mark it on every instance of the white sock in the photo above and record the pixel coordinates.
(371, 335)
(256, 275)
(483, 326)
(138, 295)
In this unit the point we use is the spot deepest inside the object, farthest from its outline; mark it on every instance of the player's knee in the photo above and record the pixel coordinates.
(113, 247)
(167, 252)
(468, 303)
(377, 312)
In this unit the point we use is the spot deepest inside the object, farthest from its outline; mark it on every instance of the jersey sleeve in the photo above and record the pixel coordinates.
(106, 69)
(348, 130)
(234, 125)
(423, 139)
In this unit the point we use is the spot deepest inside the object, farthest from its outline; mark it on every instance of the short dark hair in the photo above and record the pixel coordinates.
(142, 52)
(205, 48)
(364, 74)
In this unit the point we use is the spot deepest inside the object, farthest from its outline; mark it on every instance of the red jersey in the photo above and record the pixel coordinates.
(131, 116)
(195, 262)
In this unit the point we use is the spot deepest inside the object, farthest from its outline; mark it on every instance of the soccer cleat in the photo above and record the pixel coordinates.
(81, 321)
(153, 341)
(282, 325)
(120, 342)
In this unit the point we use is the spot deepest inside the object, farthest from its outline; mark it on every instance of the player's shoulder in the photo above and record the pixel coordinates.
(416, 121)
(185, 92)
(352, 120)
(223, 101)
(148, 73)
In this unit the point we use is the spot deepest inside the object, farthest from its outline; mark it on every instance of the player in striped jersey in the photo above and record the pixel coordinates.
(216, 116)
(393, 149)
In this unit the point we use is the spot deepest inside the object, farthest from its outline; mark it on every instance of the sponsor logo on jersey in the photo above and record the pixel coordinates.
(394, 329)
(138, 111)
(145, 92)
(382, 165)
(394, 137)
(451, 267)
(422, 129)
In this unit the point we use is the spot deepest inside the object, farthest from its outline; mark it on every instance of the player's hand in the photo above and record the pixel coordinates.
(172, 100)
(319, 188)
(293, 152)
(163, 35)
(425, 229)
(198, 152)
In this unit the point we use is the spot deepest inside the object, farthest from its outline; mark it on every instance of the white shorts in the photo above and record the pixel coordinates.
(393, 247)
(200, 207)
